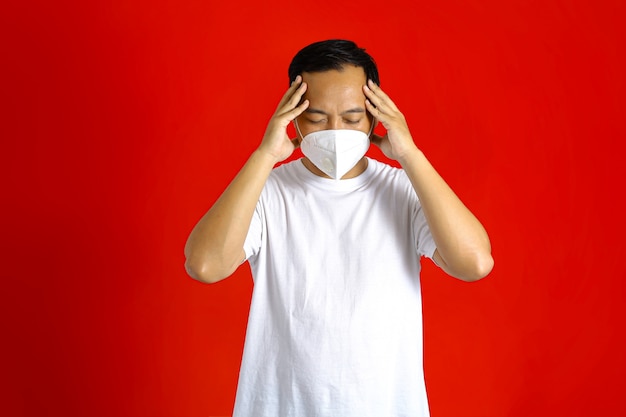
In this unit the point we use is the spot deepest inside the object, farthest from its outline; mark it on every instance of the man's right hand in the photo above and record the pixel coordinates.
(276, 142)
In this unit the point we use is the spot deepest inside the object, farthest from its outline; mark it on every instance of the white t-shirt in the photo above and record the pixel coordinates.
(335, 325)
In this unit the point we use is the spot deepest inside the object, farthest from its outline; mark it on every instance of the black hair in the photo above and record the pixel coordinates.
(332, 54)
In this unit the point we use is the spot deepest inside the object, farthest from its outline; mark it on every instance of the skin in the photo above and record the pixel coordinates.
(337, 100)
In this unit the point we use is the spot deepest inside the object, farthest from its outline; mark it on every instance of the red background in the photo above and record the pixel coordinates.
(124, 120)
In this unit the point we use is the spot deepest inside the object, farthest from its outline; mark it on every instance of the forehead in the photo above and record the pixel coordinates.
(333, 88)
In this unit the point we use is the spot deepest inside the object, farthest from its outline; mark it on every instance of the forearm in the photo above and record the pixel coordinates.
(463, 248)
(462, 242)
(215, 246)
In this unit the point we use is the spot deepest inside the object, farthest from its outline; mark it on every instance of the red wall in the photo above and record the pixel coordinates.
(123, 121)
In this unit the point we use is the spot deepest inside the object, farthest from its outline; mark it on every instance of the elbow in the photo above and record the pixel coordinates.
(205, 272)
(481, 268)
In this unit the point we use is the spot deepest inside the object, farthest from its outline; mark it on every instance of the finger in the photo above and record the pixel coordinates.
(379, 93)
(297, 111)
(375, 111)
(295, 84)
(376, 101)
(297, 96)
(293, 101)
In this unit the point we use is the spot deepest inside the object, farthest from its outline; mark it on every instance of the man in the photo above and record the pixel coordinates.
(334, 241)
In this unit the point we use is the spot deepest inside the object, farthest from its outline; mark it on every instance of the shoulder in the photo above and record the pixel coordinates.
(286, 168)
(285, 178)
(392, 184)
(285, 174)
(383, 173)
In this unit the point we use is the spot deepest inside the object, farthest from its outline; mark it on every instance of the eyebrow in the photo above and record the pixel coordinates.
(318, 111)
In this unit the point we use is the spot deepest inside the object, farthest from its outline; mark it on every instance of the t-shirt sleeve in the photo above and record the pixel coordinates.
(424, 241)
(252, 244)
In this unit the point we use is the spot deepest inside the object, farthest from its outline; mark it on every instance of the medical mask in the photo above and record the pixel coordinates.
(335, 152)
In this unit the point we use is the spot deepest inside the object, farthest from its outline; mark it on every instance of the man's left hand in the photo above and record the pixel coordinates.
(397, 144)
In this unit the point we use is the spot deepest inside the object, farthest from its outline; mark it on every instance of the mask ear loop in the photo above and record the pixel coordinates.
(371, 127)
(295, 123)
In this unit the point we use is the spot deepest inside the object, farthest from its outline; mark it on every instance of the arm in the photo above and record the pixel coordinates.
(463, 247)
(214, 248)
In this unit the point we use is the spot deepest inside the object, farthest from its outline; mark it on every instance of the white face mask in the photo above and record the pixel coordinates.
(335, 152)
